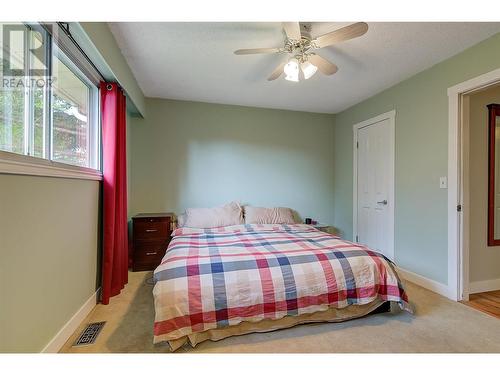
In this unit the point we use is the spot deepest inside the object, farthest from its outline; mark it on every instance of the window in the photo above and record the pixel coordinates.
(12, 98)
(48, 106)
(72, 101)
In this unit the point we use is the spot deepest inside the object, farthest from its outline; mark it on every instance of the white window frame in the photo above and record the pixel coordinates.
(94, 136)
(14, 163)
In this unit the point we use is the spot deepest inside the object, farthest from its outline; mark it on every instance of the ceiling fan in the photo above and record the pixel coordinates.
(300, 44)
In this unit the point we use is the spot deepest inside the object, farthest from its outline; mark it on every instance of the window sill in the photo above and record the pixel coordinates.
(11, 163)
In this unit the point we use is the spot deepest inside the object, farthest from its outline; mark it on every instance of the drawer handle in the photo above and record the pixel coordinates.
(151, 230)
(151, 253)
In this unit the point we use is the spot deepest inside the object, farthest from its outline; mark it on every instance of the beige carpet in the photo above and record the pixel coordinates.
(439, 325)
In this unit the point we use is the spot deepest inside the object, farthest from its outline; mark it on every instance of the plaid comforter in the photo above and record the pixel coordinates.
(214, 278)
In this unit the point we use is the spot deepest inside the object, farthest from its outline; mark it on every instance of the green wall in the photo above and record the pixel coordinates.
(50, 229)
(49, 241)
(187, 154)
(421, 104)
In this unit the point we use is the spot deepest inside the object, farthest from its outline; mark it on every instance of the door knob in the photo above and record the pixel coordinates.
(384, 202)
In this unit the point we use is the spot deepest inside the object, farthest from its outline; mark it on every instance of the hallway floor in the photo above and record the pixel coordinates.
(487, 302)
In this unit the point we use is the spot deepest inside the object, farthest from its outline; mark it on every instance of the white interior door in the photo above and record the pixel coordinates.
(374, 226)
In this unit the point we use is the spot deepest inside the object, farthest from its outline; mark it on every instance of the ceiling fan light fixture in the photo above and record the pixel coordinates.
(299, 44)
(291, 70)
(308, 69)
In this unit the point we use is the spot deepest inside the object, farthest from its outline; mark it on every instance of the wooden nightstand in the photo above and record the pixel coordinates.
(151, 234)
(321, 227)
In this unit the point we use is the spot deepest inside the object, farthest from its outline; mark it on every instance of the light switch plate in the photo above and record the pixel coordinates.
(443, 182)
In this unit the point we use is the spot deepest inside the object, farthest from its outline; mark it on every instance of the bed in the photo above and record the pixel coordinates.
(220, 282)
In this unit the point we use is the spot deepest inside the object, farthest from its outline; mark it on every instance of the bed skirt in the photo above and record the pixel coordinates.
(331, 315)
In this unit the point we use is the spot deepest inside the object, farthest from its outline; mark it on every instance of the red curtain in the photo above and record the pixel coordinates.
(115, 244)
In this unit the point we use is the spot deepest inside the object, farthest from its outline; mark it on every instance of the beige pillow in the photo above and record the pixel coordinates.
(275, 215)
(230, 214)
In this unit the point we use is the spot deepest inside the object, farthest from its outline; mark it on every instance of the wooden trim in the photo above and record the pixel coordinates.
(484, 286)
(493, 112)
(463, 282)
(476, 83)
(72, 324)
(426, 283)
(11, 163)
(457, 263)
(454, 198)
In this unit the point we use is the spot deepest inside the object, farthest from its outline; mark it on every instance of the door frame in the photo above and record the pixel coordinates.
(458, 230)
(391, 116)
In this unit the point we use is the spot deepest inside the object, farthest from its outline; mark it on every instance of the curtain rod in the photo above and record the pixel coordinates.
(65, 27)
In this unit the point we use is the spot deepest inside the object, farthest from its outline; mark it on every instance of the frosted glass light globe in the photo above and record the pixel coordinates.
(291, 70)
(308, 69)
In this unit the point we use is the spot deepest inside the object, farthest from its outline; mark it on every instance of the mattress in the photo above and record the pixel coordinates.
(213, 283)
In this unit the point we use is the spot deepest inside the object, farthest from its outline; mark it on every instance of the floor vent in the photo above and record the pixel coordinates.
(89, 334)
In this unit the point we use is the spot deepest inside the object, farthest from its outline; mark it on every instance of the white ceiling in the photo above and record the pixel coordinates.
(195, 61)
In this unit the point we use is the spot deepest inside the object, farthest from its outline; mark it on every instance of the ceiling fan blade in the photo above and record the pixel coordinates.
(277, 72)
(345, 33)
(292, 30)
(256, 50)
(325, 66)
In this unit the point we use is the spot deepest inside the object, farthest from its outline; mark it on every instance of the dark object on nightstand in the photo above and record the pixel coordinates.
(151, 233)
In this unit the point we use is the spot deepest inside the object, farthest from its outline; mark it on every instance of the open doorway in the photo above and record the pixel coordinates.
(481, 269)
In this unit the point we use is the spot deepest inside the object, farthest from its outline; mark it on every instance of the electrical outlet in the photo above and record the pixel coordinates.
(443, 182)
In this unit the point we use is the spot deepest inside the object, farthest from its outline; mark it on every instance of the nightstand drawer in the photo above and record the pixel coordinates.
(144, 247)
(145, 229)
(152, 259)
(148, 254)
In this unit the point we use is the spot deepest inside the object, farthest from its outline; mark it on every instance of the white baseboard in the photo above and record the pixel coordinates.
(484, 286)
(71, 325)
(433, 286)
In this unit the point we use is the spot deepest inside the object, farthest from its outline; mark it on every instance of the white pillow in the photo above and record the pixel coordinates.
(230, 214)
(181, 220)
(275, 215)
